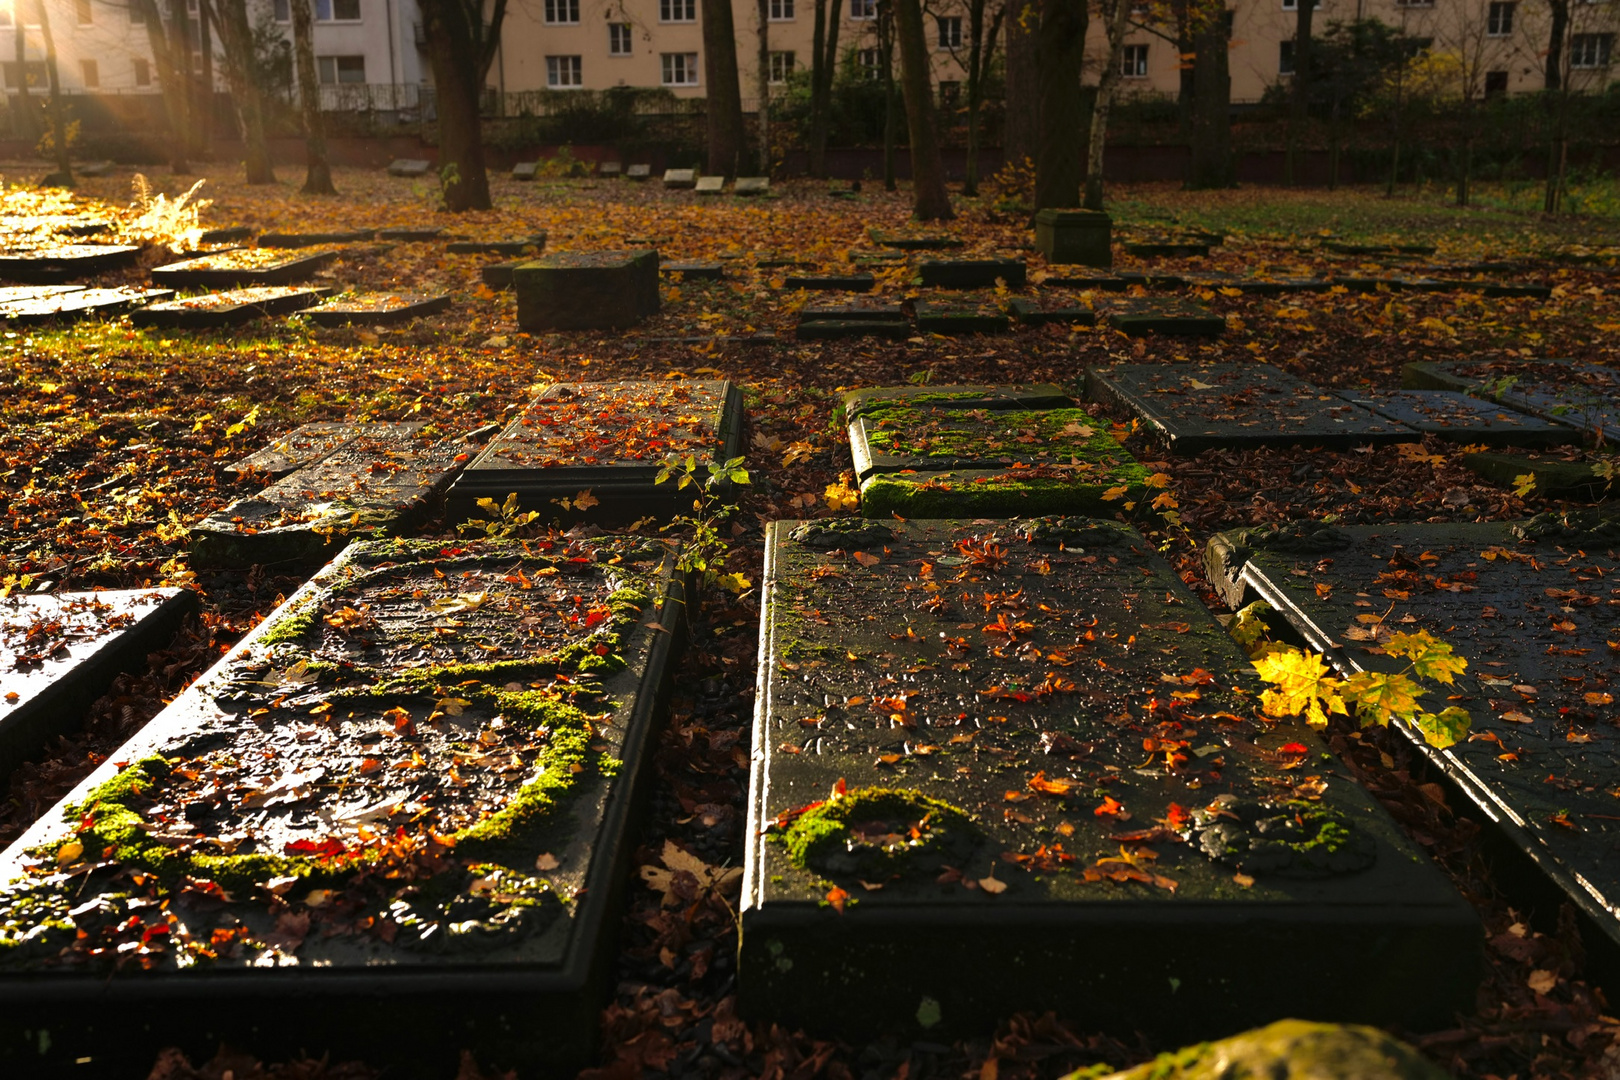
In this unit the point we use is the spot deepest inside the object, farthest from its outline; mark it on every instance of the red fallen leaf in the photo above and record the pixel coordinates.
(595, 615)
(1293, 748)
(1198, 677)
(329, 848)
(1177, 816)
(836, 897)
(160, 930)
(1040, 783)
(839, 789)
(1111, 807)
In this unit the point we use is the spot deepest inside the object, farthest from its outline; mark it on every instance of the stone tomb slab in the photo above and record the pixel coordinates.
(971, 273)
(1584, 396)
(1118, 281)
(304, 240)
(592, 451)
(694, 271)
(830, 282)
(381, 482)
(1554, 478)
(1035, 313)
(479, 717)
(246, 266)
(706, 185)
(638, 172)
(993, 699)
(1167, 249)
(409, 167)
(525, 170)
(377, 309)
(979, 452)
(610, 168)
(1205, 407)
(1164, 315)
(232, 234)
(411, 235)
(64, 262)
(78, 304)
(16, 294)
(918, 241)
(587, 290)
(943, 317)
(1532, 607)
(832, 322)
(1456, 416)
(231, 308)
(59, 652)
(680, 178)
(498, 276)
(309, 443)
(752, 185)
(523, 245)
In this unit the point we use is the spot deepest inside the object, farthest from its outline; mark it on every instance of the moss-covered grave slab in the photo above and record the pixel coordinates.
(1584, 396)
(826, 322)
(59, 652)
(1287, 1050)
(1208, 406)
(45, 265)
(230, 308)
(381, 481)
(377, 309)
(1019, 764)
(966, 451)
(1553, 478)
(1454, 415)
(593, 451)
(78, 304)
(393, 820)
(1533, 607)
(244, 266)
(1164, 315)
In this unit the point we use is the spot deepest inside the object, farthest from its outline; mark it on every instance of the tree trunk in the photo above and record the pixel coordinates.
(318, 176)
(1335, 135)
(171, 80)
(763, 83)
(1020, 132)
(823, 65)
(203, 106)
(1118, 13)
(461, 54)
(1059, 51)
(891, 121)
(22, 117)
(930, 200)
(1185, 12)
(237, 36)
(1299, 100)
(63, 176)
(180, 57)
(1553, 72)
(1211, 160)
(723, 111)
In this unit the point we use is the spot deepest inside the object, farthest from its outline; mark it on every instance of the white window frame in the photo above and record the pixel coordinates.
(1495, 25)
(687, 65)
(565, 72)
(675, 12)
(331, 62)
(862, 10)
(782, 63)
(1133, 61)
(1290, 5)
(620, 33)
(331, 13)
(953, 39)
(782, 11)
(1601, 51)
(561, 13)
(870, 61)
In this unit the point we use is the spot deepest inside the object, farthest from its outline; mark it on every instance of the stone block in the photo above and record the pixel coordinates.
(235, 234)
(680, 179)
(971, 273)
(245, 266)
(842, 329)
(610, 168)
(638, 172)
(706, 185)
(532, 244)
(211, 311)
(410, 167)
(78, 304)
(694, 271)
(586, 290)
(525, 170)
(752, 185)
(410, 234)
(309, 443)
(830, 282)
(63, 262)
(1584, 396)
(1034, 313)
(303, 240)
(1164, 315)
(377, 309)
(1453, 415)
(952, 319)
(914, 241)
(1554, 478)
(498, 275)
(1075, 237)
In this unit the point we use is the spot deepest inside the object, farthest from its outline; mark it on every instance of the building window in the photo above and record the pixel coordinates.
(81, 11)
(677, 11)
(33, 71)
(869, 61)
(281, 9)
(5, 18)
(1496, 83)
(143, 73)
(862, 9)
(336, 10)
(781, 11)
(1133, 62)
(1285, 57)
(680, 68)
(1414, 3)
(950, 31)
(563, 72)
(781, 66)
(1590, 50)
(90, 73)
(1499, 19)
(340, 69)
(619, 39)
(1290, 5)
(562, 12)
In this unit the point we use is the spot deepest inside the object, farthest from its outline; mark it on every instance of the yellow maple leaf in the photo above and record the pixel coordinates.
(1431, 658)
(1381, 697)
(1303, 685)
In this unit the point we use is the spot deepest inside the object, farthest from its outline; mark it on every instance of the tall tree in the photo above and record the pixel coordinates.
(891, 122)
(318, 169)
(930, 200)
(236, 34)
(1299, 99)
(172, 55)
(202, 132)
(23, 124)
(724, 107)
(1020, 131)
(461, 47)
(823, 63)
(981, 52)
(63, 176)
(1558, 29)
(1210, 165)
(763, 87)
(1117, 13)
(1059, 50)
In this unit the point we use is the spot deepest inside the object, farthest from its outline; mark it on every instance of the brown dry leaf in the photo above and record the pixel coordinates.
(1542, 981)
(661, 879)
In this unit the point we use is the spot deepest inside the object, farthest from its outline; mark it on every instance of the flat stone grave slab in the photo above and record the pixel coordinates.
(638, 172)
(309, 443)
(980, 452)
(830, 282)
(230, 308)
(410, 234)
(430, 757)
(1532, 607)
(1164, 315)
(833, 322)
(1035, 313)
(1340, 247)
(877, 258)
(915, 241)
(694, 271)
(1118, 281)
(525, 170)
(609, 168)
(592, 451)
(95, 169)
(705, 185)
(971, 273)
(680, 178)
(498, 275)
(1584, 396)
(523, 245)
(233, 234)
(13, 294)
(1210, 406)
(1395, 284)
(1458, 417)
(57, 224)
(59, 652)
(955, 396)
(751, 185)
(245, 266)
(1012, 760)
(784, 262)
(304, 240)
(64, 262)
(1509, 290)
(1262, 286)
(1553, 477)
(78, 304)
(1167, 249)
(943, 317)
(377, 309)
(382, 481)
(587, 290)
(410, 167)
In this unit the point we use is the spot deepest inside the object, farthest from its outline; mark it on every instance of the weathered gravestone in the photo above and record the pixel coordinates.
(411, 234)
(523, 245)
(1168, 248)
(1069, 237)
(1041, 313)
(1210, 406)
(752, 185)
(694, 271)
(409, 167)
(610, 168)
(1119, 281)
(380, 482)
(1261, 285)
(1584, 396)
(1341, 247)
(414, 784)
(231, 308)
(1551, 478)
(1019, 762)
(525, 170)
(586, 290)
(638, 172)
(59, 652)
(234, 234)
(971, 273)
(377, 309)
(983, 451)
(498, 275)
(1456, 416)
(830, 282)
(937, 317)
(1164, 315)
(914, 241)
(705, 185)
(1532, 606)
(246, 266)
(832, 322)
(1391, 283)
(64, 262)
(680, 178)
(593, 451)
(78, 304)
(13, 294)
(308, 443)
(304, 240)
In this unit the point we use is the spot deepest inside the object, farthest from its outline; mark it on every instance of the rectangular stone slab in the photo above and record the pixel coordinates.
(377, 309)
(304, 240)
(830, 282)
(608, 439)
(1454, 415)
(409, 167)
(695, 271)
(680, 178)
(946, 318)
(1164, 315)
(309, 443)
(525, 170)
(971, 273)
(1203, 407)
(1554, 478)
(523, 245)
(840, 329)
(244, 267)
(706, 185)
(12, 294)
(59, 652)
(638, 172)
(446, 767)
(1532, 607)
(1262, 286)
(1118, 281)
(381, 482)
(587, 290)
(1584, 396)
(233, 234)
(78, 304)
(63, 262)
(955, 396)
(752, 185)
(1173, 249)
(230, 308)
(1344, 248)
(1032, 313)
(498, 275)
(410, 234)
(1044, 688)
(610, 168)
(913, 241)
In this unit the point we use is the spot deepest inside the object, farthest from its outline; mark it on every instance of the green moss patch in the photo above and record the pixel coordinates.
(877, 833)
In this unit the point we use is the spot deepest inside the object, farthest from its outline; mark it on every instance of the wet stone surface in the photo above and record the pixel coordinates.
(1023, 749)
(593, 451)
(1193, 408)
(64, 262)
(249, 266)
(971, 273)
(413, 779)
(1584, 396)
(943, 317)
(1534, 607)
(1454, 415)
(1042, 313)
(830, 282)
(377, 309)
(303, 240)
(309, 443)
(230, 308)
(77, 304)
(1164, 315)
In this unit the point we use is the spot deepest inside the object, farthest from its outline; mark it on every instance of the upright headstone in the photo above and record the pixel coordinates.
(680, 178)
(586, 290)
(525, 170)
(752, 185)
(1075, 237)
(409, 167)
(706, 185)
